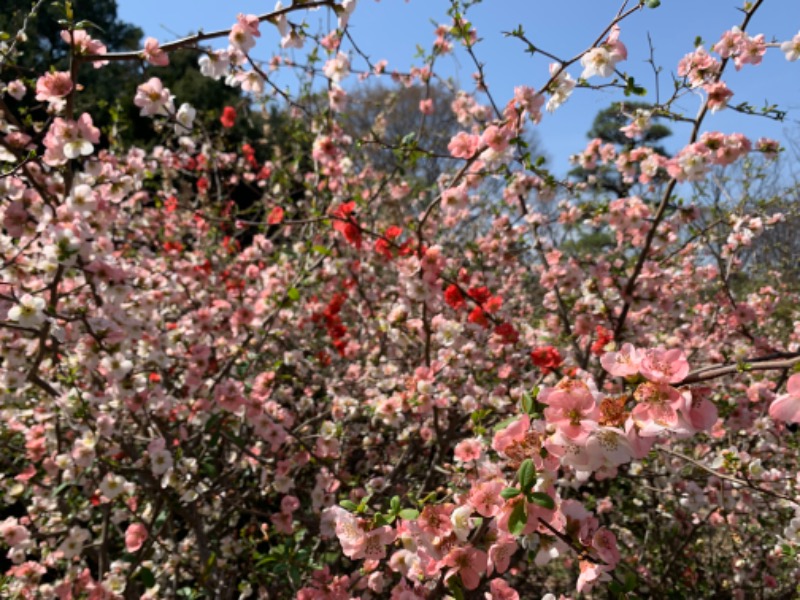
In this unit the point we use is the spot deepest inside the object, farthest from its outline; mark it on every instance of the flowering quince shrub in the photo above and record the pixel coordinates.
(389, 388)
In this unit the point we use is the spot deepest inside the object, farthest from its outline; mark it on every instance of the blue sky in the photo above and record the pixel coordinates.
(392, 29)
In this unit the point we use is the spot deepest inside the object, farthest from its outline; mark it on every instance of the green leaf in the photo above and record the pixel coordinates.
(409, 514)
(631, 581)
(293, 294)
(321, 250)
(146, 576)
(527, 403)
(543, 500)
(653, 3)
(395, 504)
(504, 423)
(455, 589)
(348, 505)
(526, 474)
(510, 492)
(615, 588)
(518, 519)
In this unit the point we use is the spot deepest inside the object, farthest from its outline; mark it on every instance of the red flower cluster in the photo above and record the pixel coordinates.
(546, 358)
(344, 224)
(228, 118)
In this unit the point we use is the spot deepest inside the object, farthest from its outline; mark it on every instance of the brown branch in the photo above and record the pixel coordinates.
(193, 40)
(755, 364)
(630, 287)
(731, 478)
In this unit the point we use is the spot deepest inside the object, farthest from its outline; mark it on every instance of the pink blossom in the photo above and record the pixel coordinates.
(496, 138)
(84, 44)
(67, 140)
(500, 553)
(787, 407)
(153, 54)
(604, 543)
(624, 363)
(16, 89)
(792, 48)
(244, 31)
(571, 408)
(485, 497)
(657, 409)
(718, 95)
(463, 145)
(500, 590)
(135, 536)
(468, 563)
(337, 68)
(468, 450)
(153, 98)
(53, 87)
(664, 366)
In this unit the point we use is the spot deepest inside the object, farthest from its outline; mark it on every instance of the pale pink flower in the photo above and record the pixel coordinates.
(718, 95)
(244, 32)
(561, 88)
(463, 145)
(372, 544)
(752, 51)
(153, 98)
(12, 533)
(346, 9)
(500, 553)
(698, 67)
(153, 54)
(337, 68)
(591, 574)
(426, 106)
(16, 89)
(160, 461)
(485, 497)
(607, 448)
(787, 407)
(214, 64)
(462, 523)
(624, 363)
(53, 87)
(467, 563)
(67, 140)
(496, 138)
(500, 590)
(571, 408)
(72, 545)
(664, 366)
(251, 82)
(337, 98)
(135, 536)
(84, 44)
(511, 435)
(730, 43)
(603, 60)
(792, 48)
(29, 311)
(657, 409)
(604, 543)
(597, 62)
(700, 413)
(468, 450)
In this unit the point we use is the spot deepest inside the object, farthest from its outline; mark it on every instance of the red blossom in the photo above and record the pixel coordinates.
(546, 358)
(228, 118)
(454, 298)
